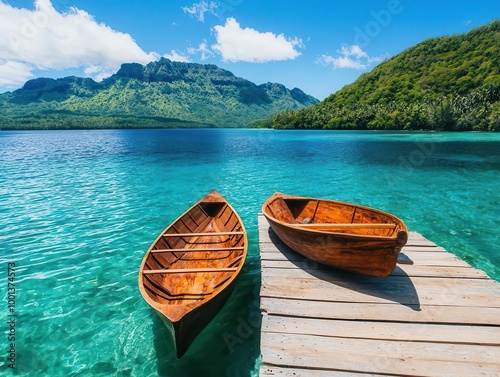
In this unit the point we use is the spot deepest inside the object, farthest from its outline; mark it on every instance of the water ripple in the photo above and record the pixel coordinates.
(80, 208)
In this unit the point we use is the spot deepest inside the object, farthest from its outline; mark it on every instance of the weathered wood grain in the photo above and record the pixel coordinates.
(400, 331)
(405, 270)
(382, 311)
(376, 356)
(268, 371)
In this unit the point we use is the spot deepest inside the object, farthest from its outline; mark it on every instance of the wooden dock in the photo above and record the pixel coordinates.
(434, 316)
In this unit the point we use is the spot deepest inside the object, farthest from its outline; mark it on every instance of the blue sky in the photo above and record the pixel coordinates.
(317, 46)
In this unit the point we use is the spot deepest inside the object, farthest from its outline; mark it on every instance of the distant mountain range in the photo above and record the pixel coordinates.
(450, 83)
(160, 94)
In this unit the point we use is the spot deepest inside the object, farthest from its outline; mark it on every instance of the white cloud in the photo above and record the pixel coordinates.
(12, 73)
(249, 45)
(175, 56)
(353, 50)
(202, 49)
(340, 62)
(198, 10)
(45, 39)
(352, 57)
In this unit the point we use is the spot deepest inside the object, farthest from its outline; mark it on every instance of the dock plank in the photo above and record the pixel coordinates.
(423, 258)
(297, 372)
(320, 290)
(381, 311)
(434, 316)
(405, 270)
(375, 356)
(422, 332)
(395, 280)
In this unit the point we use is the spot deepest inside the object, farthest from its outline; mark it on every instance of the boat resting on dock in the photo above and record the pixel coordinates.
(189, 271)
(346, 236)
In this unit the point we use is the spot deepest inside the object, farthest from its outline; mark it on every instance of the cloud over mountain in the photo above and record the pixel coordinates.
(349, 57)
(46, 39)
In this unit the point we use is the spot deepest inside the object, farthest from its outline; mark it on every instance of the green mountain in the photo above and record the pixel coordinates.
(160, 94)
(447, 83)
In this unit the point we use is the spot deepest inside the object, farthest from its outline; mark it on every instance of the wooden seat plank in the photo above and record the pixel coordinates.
(198, 249)
(320, 226)
(211, 234)
(189, 270)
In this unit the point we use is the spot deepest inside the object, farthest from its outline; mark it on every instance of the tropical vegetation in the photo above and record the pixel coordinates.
(449, 83)
(160, 94)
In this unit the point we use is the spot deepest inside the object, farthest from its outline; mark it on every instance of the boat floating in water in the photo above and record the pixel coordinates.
(189, 271)
(346, 236)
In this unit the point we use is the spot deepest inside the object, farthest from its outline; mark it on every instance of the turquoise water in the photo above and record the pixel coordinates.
(78, 210)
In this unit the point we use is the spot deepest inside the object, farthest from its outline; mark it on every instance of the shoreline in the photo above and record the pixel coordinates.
(243, 128)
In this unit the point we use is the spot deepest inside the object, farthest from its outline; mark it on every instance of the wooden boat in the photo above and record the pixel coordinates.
(189, 271)
(346, 236)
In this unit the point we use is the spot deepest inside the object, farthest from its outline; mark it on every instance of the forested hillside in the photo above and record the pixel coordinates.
(161, 94)
(447, 83)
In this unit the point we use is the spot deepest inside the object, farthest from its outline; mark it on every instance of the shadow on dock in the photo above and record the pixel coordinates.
(397, 287)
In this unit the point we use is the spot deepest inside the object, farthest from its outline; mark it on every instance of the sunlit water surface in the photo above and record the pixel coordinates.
(78, 210)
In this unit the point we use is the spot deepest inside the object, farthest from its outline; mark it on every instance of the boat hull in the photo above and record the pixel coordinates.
(190, 270)
(371, 254)
(185, 331)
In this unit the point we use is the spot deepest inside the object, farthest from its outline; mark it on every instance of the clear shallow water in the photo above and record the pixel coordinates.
(78, 210)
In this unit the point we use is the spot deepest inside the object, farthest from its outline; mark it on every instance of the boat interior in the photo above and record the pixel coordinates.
(196, 255)
(332, 216)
